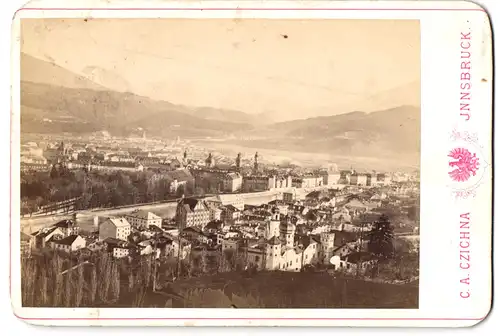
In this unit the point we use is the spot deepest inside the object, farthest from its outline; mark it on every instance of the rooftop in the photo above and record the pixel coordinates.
(115, 242)
(25, 237)
(190, 203)
(179, 175)
(66, 223)
(274, 241)
(44, 232)
(119, 221)
(215, 224)
(231, 208)
(343, 237)
(193, 229)
(66, 241)
(141, 214)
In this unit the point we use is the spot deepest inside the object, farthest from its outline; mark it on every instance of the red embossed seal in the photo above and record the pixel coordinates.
(466, 164)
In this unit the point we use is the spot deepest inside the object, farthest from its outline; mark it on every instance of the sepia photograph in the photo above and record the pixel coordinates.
(220, 163)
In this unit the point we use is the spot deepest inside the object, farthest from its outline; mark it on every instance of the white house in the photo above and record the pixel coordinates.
(291, 260)
(229, 244)
(143, 219)
(224, 200)
(68, 227)
(69, 244)
(46, 235)
(145, 249)
(172, 249)
(113, 227)
(120, 252)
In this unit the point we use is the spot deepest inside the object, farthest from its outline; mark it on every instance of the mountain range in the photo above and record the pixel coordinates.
(389, 133)
(54, 100)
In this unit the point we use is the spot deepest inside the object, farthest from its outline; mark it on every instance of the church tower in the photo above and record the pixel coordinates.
(238, 161)
(273, 253)
(287, 233)
(273, 226)
(327, 243)
(256, 163)
(61, 155)
(184, 158)
(62, 150)
(209, 162)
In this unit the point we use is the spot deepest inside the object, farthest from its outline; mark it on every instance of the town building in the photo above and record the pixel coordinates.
(215, 179)
(383, 179)
(252, 183)
(69, 244)
(192, 212)
(279, 247)
(55, 154)
(330, 178)
(180, 178)
(230, 213)
(215, 211)
(106, 165)
(43, 238)
(231, 243)
(67, 227)
(232, 182)
(169, 247)
(33, 159)
(120, 158)
(273, 182)
(117, 247)
(147, 161)
(307, 181)
(214, 226)
(224, 200)
(289, 197)
(141, 219)
(114, 227)
(26, 244)
(35, 167)
(195, 233)
(358, 179)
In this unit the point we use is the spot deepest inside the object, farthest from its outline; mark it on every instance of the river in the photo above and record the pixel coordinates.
(85, 219)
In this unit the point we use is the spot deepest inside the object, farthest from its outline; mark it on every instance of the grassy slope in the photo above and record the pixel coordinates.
(288, 290)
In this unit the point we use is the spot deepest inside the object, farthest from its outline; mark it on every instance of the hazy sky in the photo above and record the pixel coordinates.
(322, 67)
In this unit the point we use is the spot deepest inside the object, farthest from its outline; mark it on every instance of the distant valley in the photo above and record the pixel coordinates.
(62, 101)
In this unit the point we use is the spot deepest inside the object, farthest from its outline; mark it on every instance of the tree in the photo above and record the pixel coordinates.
(29, 207)
(54, 172)
(381, 236)
(414, 213)
(199, 191)
(180, 191)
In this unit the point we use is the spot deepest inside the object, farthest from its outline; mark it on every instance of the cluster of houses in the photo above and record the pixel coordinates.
(137, 233)
(326, 227)
(283, 235)
(241, 175)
